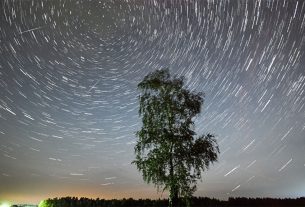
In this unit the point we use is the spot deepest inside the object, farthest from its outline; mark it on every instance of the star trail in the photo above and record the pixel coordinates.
(69, 71)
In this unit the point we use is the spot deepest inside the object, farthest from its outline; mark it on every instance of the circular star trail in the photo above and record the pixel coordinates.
(68, 99)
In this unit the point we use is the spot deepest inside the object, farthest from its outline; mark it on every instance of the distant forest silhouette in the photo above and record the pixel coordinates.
(195, 201)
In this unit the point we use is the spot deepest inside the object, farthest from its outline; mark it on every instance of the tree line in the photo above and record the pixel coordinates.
(195, 202)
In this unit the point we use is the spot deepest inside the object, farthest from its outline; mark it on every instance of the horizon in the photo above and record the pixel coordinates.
(69, 102)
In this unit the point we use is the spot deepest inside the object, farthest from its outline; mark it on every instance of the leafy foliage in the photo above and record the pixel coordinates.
(167, 152)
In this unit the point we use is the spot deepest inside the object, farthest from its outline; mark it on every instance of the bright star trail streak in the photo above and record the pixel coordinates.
(68, 100)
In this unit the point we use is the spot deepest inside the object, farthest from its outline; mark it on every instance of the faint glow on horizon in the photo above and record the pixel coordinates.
(42, 203)
(5, 204)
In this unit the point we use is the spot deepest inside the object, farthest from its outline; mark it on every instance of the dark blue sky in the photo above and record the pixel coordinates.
(68, 98)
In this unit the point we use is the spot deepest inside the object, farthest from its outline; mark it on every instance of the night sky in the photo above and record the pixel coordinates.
(69, 71)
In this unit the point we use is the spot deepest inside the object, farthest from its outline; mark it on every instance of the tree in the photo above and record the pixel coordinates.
(167, 152)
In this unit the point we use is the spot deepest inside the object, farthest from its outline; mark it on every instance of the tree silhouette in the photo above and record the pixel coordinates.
(167, 152)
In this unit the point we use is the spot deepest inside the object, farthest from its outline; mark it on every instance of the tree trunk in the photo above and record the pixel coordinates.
(171, 174)
(175, 199)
